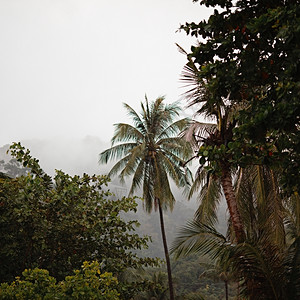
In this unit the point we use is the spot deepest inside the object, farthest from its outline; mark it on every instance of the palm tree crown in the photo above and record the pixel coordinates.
(151, 152)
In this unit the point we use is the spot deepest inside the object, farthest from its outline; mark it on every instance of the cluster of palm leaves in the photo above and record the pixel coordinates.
(266, 264)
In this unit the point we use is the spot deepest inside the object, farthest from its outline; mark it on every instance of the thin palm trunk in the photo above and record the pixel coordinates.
(229, 193)
(226, 289)
(163, 233)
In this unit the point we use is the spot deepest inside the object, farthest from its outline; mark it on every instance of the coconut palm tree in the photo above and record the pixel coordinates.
(266, 265)
(151, 153)
(215, 172)
(211, 141)
(256, 243)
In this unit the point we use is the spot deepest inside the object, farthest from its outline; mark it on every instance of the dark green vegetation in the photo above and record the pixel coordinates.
(57, 223)
(243, 76)
(249, 63)
(266, 263)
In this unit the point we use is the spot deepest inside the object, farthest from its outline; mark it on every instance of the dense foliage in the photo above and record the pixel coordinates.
(249, 61)
(56, 224)
(87, 283)
(244, 74)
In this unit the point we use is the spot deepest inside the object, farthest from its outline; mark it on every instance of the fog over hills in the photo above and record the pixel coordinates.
(73, 156)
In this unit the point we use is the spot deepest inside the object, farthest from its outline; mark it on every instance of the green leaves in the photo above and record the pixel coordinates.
(197, 237)
(150, 150)
(56, 223)
(87, 283)
(249, 58)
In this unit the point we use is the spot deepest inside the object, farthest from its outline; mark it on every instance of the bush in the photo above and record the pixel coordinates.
(87, 283)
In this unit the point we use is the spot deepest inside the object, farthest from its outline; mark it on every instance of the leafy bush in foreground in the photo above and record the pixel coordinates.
(87, 283)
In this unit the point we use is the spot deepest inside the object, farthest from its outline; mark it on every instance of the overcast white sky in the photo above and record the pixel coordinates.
(67, 65)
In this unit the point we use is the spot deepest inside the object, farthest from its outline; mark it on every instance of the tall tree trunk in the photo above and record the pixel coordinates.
(229, 193)
(226, 289)
(163, 233)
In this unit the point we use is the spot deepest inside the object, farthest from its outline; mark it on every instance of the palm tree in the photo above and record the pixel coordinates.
(151, 152)
(256, 244)
(217, 272)
(157, 289)
(211, 141)
(215, 170)
(266, 265)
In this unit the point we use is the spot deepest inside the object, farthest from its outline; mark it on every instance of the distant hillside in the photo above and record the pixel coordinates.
(73, 156)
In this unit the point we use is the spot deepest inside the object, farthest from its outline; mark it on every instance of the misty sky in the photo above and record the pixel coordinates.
(67, 65)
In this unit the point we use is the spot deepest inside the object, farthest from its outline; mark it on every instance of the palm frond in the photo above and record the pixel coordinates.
(275, 221)
(136, 155)
(247, 202)
(162, 187)
(182, 177)
(138, 123)
(260, 202)
(177, 146)
(180, 49)
(119, 166)
(292, 268)
(116, 152)
(126, 132)
(159, 117)
(137, 179)
(146, 115)
(197, 132)
(148, 187)
(257, 261)
(171, 164)
(174, 128)
(209, 199)
(197, 237)
(173, 110)
(196, 184)
(292, 221)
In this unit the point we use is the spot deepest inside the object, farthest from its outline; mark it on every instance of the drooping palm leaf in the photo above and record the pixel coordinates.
(209, 198)
(134, 158)
(198, 131)
(137, 121)
(126, 132)
(292, 268)
(292, 221)
(197, 237)
(116, 152)
(137, 180)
